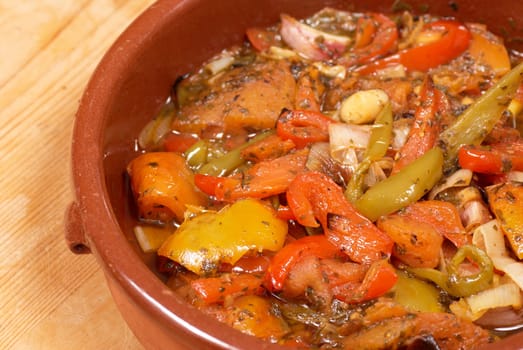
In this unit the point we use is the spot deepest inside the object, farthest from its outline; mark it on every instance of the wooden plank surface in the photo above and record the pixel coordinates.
(50, 298)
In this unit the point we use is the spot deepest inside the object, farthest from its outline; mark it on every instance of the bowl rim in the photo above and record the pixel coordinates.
(99, 224)
(98, 220)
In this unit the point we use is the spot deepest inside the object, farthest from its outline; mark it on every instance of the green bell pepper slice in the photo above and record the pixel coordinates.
(379, 142)
(403, 188)
(471, 127)
(455, 283)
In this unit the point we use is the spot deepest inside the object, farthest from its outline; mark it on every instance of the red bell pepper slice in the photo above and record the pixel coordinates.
(496, 159)
(207, 183)
(454, 41)
(379, 279)
(303, 127)
(264, 179)
(384, 35)
(313, 195)
(283, 262)
(425, 129)
(285, 213)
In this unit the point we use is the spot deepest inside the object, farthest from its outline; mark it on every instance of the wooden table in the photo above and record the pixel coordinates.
(50, 298)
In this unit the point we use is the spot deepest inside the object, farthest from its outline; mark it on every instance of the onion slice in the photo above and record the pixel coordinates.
(311, 43)
(346, 140)
(460, 178)
(489, 237)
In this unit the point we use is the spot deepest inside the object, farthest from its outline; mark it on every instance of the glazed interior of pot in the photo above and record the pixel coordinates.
(196, 30)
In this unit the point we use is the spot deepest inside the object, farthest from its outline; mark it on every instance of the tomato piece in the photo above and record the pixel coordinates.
(303, 127)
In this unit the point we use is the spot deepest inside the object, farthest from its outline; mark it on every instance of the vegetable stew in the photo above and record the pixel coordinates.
(344, 181)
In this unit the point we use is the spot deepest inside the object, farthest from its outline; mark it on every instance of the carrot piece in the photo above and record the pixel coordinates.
(269, 147)
(215, 289)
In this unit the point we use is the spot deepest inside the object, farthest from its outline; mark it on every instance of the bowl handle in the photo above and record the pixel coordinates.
(74, 233)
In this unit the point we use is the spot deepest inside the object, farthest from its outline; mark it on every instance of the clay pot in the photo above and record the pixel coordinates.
(130, 84)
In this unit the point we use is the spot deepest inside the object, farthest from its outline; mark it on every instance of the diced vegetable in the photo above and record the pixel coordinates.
(403, 188)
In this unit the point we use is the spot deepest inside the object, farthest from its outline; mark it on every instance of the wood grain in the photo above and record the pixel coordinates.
(50, 298)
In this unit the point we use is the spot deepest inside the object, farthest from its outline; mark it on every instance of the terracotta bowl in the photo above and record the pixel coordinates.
(130, 84)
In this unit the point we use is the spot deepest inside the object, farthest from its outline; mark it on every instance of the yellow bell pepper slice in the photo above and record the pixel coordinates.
(205, 241)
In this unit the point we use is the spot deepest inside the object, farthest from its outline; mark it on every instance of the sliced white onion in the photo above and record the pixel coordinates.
(346, 140)
(460, 178)
(489, 237)
(515, 176)
(474, 213)
(331, 71)
(395, 71)
(400, 132)
(306, 40)
(378, 171)
(155, 129)
(507, 294)
(279, 53)
(151, 238)
(221, 63)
